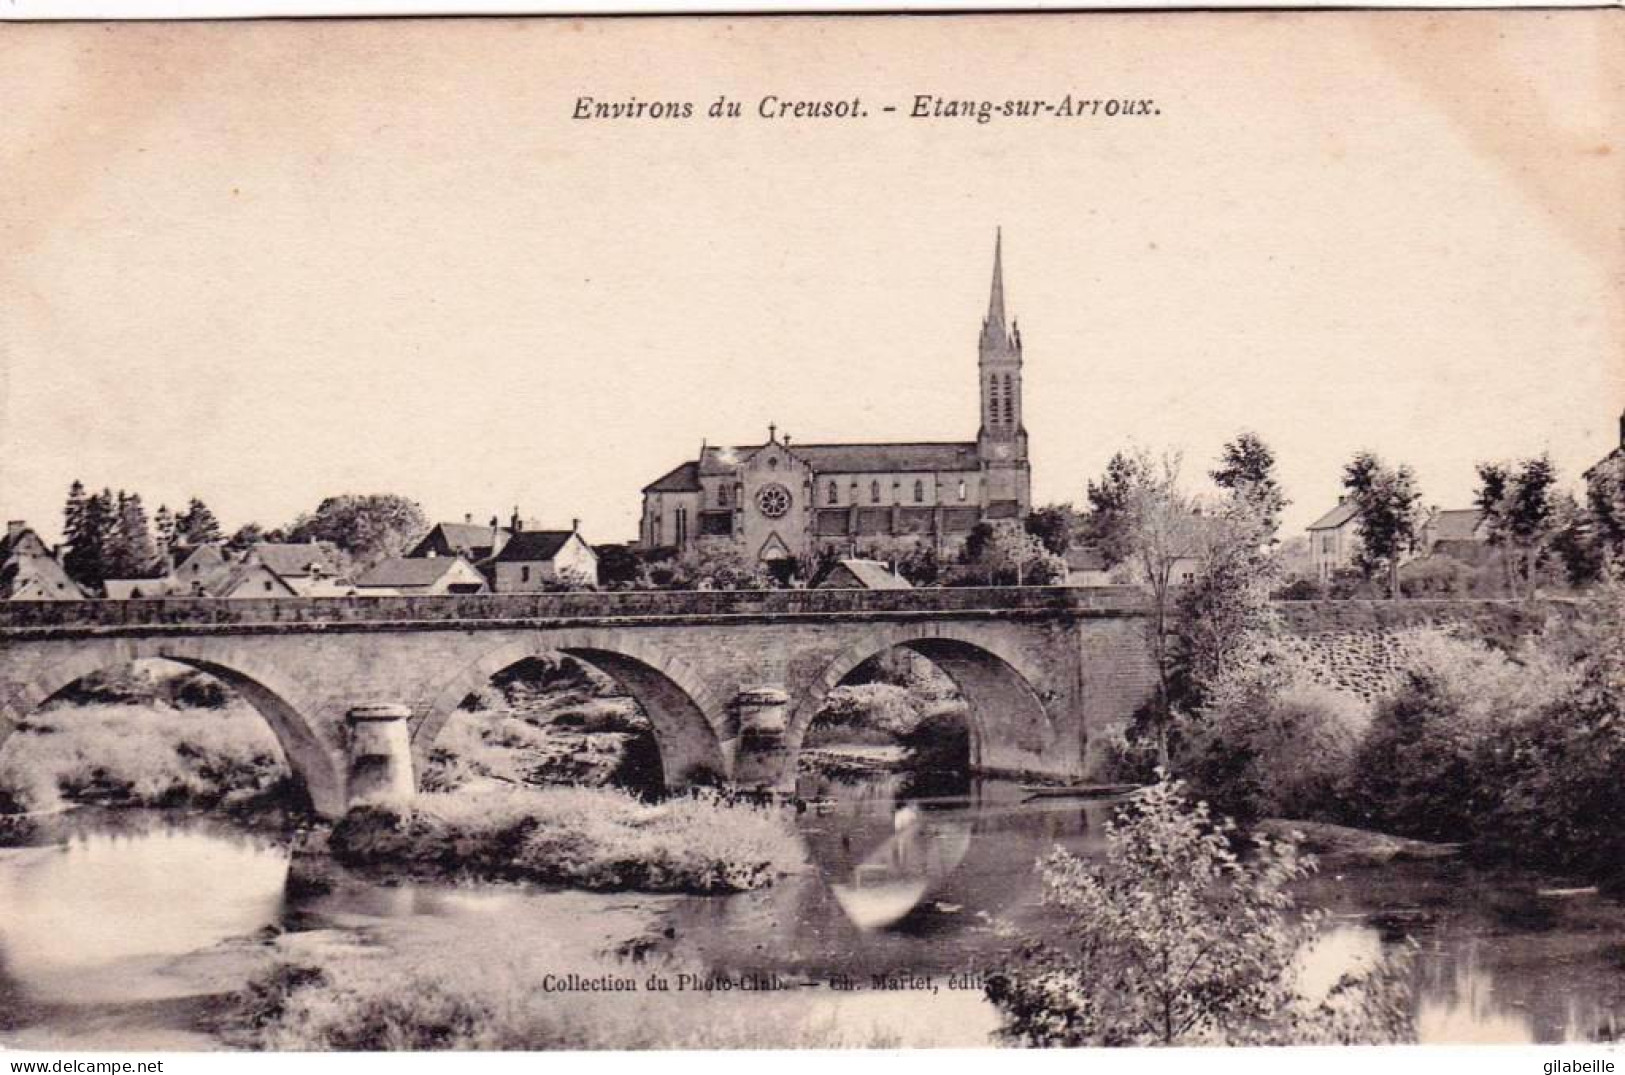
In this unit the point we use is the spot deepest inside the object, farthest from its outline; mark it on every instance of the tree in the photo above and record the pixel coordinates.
(1174, 940)
(1520, 515)
(1163, 527)
(618, 566)
(368, 527)
(711, 566)
(246, 535)
(163, 523)
(1055, 525)
(1106, 527)
(133, 554)
(1003, 553)
(1246, 472)
(197, 524)
(1389, 504)
(91, 521)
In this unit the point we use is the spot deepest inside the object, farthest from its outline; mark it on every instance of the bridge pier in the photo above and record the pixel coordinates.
(380, 756)
(763, 714)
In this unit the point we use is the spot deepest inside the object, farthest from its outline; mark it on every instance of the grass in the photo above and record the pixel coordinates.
(471, 983)
(140, 755)
(592, 838)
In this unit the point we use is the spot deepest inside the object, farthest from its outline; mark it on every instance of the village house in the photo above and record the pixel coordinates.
(253, 580)
(466, 539)
(302, 566)
(29, 571)
(1333, 539)
(1457, 533)
(535, 560)
(198, 569)
(854, 574)
(430, 575)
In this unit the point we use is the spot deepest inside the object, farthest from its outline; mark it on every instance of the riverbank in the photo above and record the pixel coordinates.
(591, 838)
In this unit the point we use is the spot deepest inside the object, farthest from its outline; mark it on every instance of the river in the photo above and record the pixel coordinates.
(132, 929)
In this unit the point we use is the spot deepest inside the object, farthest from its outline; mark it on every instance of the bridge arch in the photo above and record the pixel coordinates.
(315, 761)
(1006, 715)
(682, 707)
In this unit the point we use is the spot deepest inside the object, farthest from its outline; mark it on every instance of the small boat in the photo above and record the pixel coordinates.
(1077, 791)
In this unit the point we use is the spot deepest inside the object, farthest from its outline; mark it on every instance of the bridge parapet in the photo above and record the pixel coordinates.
(27, 617)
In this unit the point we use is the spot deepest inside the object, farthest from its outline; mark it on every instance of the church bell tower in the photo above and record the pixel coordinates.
(1001, 442)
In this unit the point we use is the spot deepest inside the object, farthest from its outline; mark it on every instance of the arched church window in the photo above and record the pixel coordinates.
(1009, 401)
(722, 495)
(919, 492)
(834, 495)
(874, 492)
(962, 490)
(993, 396)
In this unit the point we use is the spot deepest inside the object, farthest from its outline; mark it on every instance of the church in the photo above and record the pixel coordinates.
(777, 500)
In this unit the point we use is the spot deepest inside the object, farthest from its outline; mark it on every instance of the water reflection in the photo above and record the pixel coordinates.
(909, 878)
(122, 899)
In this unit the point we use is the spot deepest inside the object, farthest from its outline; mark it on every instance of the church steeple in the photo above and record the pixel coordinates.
(994, 334)
(1001, 441)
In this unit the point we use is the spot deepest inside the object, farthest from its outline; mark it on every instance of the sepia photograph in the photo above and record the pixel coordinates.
(870, 532)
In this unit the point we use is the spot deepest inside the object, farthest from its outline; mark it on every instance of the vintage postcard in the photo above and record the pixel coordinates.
(1002, 530)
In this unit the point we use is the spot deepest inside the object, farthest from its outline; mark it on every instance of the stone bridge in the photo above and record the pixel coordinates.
(356, 689)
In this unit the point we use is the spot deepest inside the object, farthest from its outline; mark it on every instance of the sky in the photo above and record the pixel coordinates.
(263, 263)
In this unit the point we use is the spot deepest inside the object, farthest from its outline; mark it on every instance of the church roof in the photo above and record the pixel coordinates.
(834, 459)
(683, 478)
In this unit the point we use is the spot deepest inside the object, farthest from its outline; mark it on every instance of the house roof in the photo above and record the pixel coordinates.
(870, 574)
(27, 542)
(243, 572)
(1336, 517)
(409, 571)
(534, 545)
(468, 538)
(1459, 524)
(43, 572)
(295, 558)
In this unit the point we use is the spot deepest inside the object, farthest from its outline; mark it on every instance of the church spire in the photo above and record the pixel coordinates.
(995, 301)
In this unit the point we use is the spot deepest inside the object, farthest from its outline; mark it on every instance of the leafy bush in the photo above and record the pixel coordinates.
(1281, 752)
(594, 838)
(1426, 767)
(1173, 940)
(1557, 775)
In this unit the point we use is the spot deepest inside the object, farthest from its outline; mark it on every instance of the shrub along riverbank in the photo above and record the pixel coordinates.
(1517, 753)
(152, 754)
(592, 838)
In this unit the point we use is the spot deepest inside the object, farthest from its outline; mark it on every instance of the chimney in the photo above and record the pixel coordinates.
(515, 523)
(15, 527)
(575, 526)
(497, 538)
(1341, 500)
(1622, 429)
(468, 518)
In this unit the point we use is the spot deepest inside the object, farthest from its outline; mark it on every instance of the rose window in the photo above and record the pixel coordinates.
(773, 500)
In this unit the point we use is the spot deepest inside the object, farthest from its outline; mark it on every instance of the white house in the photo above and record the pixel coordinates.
(534, 560)
(424, 575)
